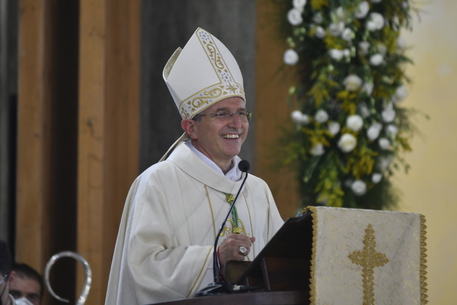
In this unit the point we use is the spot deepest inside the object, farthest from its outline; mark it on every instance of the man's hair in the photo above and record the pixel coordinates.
(6, 262)
(24, 270)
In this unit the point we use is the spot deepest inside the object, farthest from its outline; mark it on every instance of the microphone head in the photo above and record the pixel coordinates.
(244, 166)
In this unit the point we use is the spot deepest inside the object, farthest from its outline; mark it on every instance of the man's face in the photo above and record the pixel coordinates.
(221, 139)
(22, 286)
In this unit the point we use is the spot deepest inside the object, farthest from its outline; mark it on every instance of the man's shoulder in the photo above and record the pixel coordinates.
(254, 180)
(159, 168)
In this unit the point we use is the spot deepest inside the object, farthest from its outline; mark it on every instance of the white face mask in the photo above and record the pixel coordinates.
(22, 301)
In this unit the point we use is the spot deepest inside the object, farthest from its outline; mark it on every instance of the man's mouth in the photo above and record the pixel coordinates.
(231, 136)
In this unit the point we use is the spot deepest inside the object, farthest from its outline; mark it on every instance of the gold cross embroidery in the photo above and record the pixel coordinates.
(368, 258)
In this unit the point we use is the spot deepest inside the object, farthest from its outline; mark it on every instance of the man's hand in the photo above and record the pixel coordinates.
(229, 250)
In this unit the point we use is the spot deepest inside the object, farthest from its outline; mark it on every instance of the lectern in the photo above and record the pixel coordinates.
(335, 256)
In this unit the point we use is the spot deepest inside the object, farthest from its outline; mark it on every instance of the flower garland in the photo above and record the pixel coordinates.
(349, 128)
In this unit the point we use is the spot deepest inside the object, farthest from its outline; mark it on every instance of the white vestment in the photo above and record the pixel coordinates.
(170, 221)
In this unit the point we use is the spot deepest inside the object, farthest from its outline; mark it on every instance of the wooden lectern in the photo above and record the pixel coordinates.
(334, 256)
(278, 275)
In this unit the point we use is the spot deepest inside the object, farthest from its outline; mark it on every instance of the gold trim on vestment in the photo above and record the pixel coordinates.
(212, 212)
(252, 251)
(312, 285)
(423, 263)
(203, 269)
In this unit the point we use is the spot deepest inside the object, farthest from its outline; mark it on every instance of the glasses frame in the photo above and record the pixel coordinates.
(247, 115)
(5, 277)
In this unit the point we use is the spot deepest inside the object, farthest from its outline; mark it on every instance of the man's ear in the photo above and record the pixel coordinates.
(11, 276)
(188, 126)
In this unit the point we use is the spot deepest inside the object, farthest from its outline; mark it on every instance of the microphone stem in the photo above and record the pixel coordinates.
(215, 258)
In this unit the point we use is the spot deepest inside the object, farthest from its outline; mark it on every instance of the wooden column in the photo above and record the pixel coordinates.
(33, 136)
(108, 127)
(46, 153)
(272, 111)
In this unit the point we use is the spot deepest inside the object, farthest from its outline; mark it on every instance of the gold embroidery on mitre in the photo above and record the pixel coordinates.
(368, 258)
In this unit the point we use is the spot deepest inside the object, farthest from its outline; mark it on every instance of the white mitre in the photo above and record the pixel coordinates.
(201, 74)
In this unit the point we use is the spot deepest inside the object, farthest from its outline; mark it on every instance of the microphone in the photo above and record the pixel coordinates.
(218, 287)
(244, 166)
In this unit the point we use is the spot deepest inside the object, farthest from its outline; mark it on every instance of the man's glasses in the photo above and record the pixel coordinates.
(243, 115)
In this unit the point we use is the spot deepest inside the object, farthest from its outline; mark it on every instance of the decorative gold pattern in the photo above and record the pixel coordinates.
(240, 229)
(423, 265)
(368, 259)
(235, 222)
(229, 198)
(312, 285)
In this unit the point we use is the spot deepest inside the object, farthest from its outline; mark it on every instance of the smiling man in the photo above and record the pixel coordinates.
(174, 209)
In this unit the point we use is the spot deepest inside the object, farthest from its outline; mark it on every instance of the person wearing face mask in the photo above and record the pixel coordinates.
(6, 276)
(27, 283)
(174, 209)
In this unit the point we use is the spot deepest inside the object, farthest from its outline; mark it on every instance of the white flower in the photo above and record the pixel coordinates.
(317, 150)
(336, 28)
(363, 47)
(400, 94)
(347, 142)
(346, 52)
(348, 34)
(321, 116)
(359, 187)
(354, 122)
(384, 162)
(299, 118)
(373, 131)
(290, 57)
(401, 43)
(363, 109)
(388, 114)
(382, 48)
(368, 88)
(320, 32)
(376, 59)
(391, 130)
(384, 143)
(336, 54)
(352, 82)
(375, 22)
(294, 17)
(299, 5)
(340, 14)
(317, 18)
(376, 177)
(362, 10)
(334, 127)
(395, 20)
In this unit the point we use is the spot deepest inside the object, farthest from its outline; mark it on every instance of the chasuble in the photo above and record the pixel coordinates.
(171, 217)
